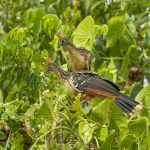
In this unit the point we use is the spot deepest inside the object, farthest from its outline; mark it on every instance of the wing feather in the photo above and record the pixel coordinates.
(102, 93)
(86, 81)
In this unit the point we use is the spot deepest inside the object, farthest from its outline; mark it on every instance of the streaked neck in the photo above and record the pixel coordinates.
(62, 74)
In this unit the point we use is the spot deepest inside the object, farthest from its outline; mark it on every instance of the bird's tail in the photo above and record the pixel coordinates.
(127, 104)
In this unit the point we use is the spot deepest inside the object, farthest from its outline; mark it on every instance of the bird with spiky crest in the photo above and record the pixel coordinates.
(78, 58)
(92, 85)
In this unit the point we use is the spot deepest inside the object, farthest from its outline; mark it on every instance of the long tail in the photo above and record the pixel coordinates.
(127, 104)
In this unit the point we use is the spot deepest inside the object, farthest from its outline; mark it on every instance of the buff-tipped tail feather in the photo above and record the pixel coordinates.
(127, 104)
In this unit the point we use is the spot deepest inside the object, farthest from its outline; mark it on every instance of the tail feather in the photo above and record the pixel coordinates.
(127, 107)
(126, 104)
(122, 107)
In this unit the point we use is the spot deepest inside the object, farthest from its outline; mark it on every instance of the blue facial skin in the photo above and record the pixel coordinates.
(50, 67)
(63, 42)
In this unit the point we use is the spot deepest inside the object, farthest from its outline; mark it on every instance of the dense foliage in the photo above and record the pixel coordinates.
(36, 111)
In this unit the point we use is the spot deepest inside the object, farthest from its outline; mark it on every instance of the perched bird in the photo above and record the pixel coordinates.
(78, 58)
(92, 85)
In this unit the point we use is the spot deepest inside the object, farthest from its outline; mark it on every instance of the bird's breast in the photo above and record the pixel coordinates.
(70, 88)
(77, 62)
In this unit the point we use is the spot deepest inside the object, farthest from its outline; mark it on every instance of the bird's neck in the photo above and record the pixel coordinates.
(62, 74)
(71, 48)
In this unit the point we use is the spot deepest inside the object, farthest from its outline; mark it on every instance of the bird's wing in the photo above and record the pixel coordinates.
(92, 84)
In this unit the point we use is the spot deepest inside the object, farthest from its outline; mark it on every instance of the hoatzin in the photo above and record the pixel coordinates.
(91, 85)
(78, 58)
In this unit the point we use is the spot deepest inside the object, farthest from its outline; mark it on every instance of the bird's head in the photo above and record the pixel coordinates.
(61, 74)
(63, 40)
(50, 65)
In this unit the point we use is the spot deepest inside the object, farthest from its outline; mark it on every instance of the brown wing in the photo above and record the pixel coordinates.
(99, 92)
(92, 84)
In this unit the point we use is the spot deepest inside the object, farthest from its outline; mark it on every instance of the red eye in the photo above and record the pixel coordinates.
(63, 42)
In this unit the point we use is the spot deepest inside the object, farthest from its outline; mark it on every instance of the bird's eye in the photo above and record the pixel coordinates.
(63, 42)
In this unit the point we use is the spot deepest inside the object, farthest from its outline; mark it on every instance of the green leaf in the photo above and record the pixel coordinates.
(145, 92)
(101, 29)
(15, 38)
(32, 18)
(109, 71)
(4, 71)
(54, 43)
(1, 30)
(136, 131)
(138, 127)
(129, 58)
(85, 131)
(76, 106)
(101, 110)
(104, 133)
(143, 96)
(125, 64)
(51, 23)
(146, 141)
(108, 142)
(1, 96)
(127, 141)
(11, 94)
(45, 111)
(37, 20)
(84, 34)
(44, 54)
(119, 118)
(16, 33)
(3, 136)
(131, 27)
(115, 26)
(17, 141)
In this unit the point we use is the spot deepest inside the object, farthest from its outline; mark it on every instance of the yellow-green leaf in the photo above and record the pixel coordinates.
(83, 36)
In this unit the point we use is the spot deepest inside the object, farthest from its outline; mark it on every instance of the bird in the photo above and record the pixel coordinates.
(92, 85)
(78, 58)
